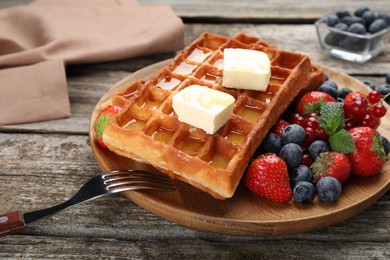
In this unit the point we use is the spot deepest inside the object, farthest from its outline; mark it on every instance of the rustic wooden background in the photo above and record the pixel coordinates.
(42, 164)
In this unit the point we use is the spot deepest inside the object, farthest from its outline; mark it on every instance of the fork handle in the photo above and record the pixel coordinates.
(11, 223)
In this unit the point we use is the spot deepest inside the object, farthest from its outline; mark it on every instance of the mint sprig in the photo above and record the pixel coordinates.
(331, 119)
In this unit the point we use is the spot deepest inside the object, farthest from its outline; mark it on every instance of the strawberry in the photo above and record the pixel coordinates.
(268, 176)
(369, 156)
(279, 126)
(102, 120)
(332, 164)
(311, 102)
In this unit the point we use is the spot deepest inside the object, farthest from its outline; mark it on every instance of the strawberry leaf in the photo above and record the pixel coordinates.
(342, 142)
(377, 146)
(315, 107)
(100, 124)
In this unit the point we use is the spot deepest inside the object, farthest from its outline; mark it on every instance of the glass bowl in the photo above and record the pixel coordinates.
(350, 46)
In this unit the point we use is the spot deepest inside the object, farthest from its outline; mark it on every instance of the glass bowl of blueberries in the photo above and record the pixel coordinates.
(354, 35)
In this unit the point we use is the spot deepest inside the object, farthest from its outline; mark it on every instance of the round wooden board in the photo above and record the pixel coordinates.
(246, 213)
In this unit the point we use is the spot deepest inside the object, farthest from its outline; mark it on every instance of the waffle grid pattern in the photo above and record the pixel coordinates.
(213, 163)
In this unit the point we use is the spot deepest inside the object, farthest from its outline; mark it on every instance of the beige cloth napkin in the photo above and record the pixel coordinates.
(70, 32)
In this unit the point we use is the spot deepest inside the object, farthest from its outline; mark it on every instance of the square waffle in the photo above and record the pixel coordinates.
(148, 130)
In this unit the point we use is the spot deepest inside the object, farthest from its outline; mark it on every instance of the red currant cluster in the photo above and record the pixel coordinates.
(363, 110)
(309, 123)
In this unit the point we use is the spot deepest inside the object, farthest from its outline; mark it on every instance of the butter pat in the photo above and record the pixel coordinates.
(203, 107)
(246, 69)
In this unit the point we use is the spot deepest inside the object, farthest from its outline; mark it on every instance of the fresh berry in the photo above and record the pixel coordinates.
(300, 173)
(374, 97)
(316, 148)
(279, 126)
(328, 189)
(384, 90)
(349, 20)
(102, 120)
(357, 27)
(296, 118)
(311, 102)
(292, 154)
(271, 144)
(343, 12)
(293, 133)
(306, 160)
(332, 20)
(304, 192)
(343, 92)
(355, 104)
(377, 25)
(370, 84)
(368, 17)
(386, 144)
(379, 110)
(333, 164)
(369, 156)
(268, 176)
(329, 87)
(360, 11)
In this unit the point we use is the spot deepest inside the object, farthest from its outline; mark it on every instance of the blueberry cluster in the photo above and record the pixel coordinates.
(288, 147)
(362, 21)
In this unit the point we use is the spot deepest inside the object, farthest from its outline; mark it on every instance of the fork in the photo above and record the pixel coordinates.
(98, 186)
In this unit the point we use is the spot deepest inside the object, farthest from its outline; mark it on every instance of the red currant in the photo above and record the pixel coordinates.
(374, 97)
(358, 107)
(306, 160)
(310, 136)
(379, 110)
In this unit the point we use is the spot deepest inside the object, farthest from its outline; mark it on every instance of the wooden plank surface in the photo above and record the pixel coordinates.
(44, 163)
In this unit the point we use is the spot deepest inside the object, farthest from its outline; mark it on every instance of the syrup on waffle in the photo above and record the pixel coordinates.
(147, 129)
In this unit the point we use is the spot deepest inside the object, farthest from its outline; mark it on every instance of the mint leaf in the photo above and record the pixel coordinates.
(342, 142)
(100, 124)
(331, 117)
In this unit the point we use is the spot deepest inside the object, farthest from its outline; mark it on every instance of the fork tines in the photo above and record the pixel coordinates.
(127, 179)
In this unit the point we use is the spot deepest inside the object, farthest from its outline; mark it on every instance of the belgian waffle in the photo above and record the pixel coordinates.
(148, 130)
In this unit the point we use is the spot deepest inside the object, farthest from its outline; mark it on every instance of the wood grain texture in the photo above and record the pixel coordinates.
(42, 164)
(246, 213)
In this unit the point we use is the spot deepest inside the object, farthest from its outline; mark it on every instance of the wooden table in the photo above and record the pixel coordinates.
(42, 164)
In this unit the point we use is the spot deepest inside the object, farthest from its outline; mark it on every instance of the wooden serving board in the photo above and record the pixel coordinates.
(246, 213)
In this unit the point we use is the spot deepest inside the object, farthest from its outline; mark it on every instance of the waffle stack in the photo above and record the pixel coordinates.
(148, 130)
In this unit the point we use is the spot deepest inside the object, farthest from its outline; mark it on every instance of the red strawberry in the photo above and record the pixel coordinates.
(268, 177)
(279, 126)
(102, 120)
(369, 156)
(311, 102)
(332, 164)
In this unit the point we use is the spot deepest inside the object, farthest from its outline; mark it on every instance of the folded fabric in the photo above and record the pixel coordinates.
(34, 93)
(85, 32)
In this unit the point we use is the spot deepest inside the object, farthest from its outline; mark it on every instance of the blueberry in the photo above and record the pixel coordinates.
(316, 148)
(333, 38)
(353, 44)
(361, 10)
(332, 20)
(384, 90)
(340, 100)
(271, 144)
(343, 92)
(370, 84)
(357, 28)
(292, 154)
(293, 133)
(388, 78)
(385, 16)
(304, 192)
(352, 19)
(300, 173)
(368, 17)
(341, 26)
(328, 189)
(386, 144)
(377, 25)
(343, 12)
(329, 87)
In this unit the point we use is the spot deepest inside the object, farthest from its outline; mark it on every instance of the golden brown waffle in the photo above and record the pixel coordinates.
(147, 129)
